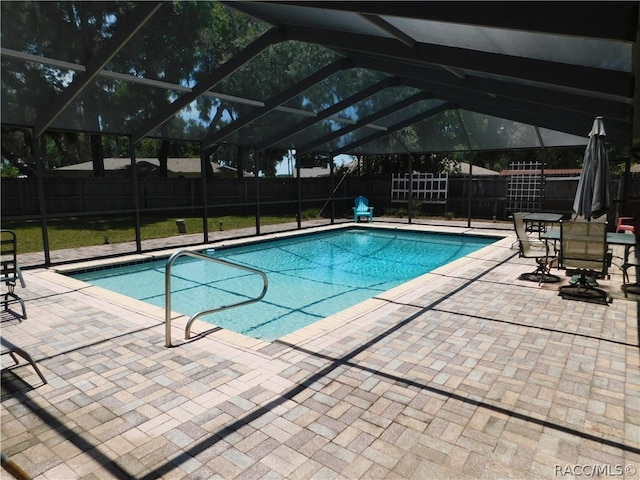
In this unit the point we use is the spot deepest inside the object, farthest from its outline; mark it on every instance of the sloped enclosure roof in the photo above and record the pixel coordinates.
(339, 77)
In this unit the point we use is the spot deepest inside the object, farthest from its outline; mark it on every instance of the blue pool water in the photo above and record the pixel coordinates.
(310, 276)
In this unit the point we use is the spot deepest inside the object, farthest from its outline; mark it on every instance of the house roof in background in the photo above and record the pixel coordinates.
(174, 165)
(353, 165)
(547, 171)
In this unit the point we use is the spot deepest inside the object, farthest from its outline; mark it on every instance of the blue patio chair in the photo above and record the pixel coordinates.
(362, 209)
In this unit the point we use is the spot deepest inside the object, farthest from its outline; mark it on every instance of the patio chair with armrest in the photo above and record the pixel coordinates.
(10, 272)
(632, 262)
(362, 209)
(6, 347)
(583, 253)
(536, 249)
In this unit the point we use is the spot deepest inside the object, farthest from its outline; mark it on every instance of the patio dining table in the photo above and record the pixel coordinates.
(539, 221)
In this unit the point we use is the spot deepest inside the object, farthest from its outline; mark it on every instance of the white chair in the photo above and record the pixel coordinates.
(536, 249)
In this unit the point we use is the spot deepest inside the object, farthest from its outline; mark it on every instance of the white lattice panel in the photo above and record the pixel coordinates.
(427, 187)
(524, 192)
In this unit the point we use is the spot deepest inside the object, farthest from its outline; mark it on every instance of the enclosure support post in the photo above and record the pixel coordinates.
(136, 195)
(332, 176)
(256, 170)
(469, 192)
(543, 182)
(634, 148)
(299, 185)
(410, 194)
(205, 201)
(35, 146)
(543, 164)
(469, 157)
(627, 176)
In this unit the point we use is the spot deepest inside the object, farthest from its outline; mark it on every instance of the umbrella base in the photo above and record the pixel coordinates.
(591, 281)
(541, 273)
(584, 292)
(540, 277)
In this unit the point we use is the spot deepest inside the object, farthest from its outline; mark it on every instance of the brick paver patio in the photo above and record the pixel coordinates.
(464, 373)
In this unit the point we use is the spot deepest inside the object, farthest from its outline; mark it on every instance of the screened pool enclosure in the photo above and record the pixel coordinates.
(358, 78)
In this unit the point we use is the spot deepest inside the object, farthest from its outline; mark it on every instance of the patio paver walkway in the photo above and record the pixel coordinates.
(464, 373)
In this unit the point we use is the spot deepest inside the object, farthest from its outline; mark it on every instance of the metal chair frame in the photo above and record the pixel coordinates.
(10, 272)
(584, 254)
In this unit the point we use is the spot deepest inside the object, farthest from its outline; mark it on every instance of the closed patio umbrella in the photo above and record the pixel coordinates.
(593, 198)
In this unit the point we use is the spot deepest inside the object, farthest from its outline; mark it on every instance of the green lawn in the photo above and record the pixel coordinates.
(86, 231)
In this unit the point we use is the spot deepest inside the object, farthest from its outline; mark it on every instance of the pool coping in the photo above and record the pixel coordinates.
(349, 316)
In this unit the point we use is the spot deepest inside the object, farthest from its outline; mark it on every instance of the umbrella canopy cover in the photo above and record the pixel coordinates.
(593, 197)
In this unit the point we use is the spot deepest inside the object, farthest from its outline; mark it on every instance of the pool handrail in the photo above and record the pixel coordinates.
(167, 288)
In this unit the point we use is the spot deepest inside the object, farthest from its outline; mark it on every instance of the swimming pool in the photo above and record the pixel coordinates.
(310, 276)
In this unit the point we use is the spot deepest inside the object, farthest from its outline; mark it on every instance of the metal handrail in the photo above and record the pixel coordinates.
(167, 288)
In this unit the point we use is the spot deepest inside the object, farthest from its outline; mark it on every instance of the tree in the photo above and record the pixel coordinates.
(87, 24)
(16, 145)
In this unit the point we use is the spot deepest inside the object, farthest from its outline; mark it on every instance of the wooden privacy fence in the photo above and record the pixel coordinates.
(482, 196)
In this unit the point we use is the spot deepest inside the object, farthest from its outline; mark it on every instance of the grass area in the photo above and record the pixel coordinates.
(87, 231)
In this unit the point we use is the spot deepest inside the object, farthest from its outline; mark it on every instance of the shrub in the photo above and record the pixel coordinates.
(310, 213)
(395, 212)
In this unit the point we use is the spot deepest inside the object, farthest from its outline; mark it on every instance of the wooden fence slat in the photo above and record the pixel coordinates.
(66, 196)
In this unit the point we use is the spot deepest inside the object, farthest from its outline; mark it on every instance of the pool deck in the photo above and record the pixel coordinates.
(464, 373)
